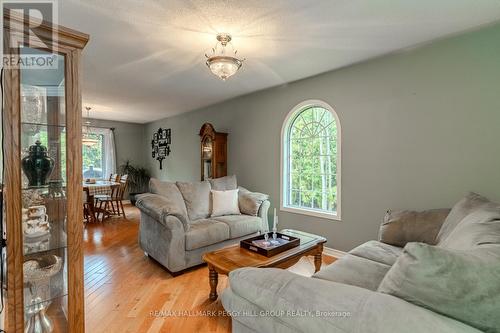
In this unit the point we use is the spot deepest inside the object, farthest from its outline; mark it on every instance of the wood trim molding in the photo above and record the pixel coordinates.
(45, 30)
(333, 252)
(76, 318)
(12, 180)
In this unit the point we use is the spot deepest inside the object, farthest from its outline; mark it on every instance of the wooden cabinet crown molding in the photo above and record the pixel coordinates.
(16, 23)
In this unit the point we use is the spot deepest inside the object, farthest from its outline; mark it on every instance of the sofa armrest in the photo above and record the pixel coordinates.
(315, 305)
(250, 202)
(159, 208)
(163, 240)
(401, 227)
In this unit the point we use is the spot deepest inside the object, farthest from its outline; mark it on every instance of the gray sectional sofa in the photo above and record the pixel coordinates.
(176, 226)
(432, 271)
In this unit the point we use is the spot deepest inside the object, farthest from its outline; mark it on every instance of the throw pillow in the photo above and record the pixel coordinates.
(471, 202)
(249, 202)
(401, 227)
(197, 199)
(459, 284)
(224, 183)
(478, 228)
(225, 203)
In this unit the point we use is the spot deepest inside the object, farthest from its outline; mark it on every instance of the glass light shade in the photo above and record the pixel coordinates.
(223, 66)
(86, 141)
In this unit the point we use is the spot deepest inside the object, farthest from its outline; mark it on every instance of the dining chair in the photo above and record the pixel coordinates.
(88, 211)
(114, 177)
(116, 197)
(106, 199)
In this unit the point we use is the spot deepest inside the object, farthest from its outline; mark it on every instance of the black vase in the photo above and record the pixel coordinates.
(37, 166)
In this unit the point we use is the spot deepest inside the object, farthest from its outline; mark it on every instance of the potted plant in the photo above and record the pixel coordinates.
(138, 179)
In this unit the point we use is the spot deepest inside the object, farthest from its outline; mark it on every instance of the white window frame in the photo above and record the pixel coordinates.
(284, 160)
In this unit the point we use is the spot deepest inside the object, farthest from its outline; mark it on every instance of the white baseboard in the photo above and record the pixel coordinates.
(333, 252)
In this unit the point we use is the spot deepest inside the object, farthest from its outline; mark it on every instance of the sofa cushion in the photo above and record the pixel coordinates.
(241, 225)
(163, 188)
(225, 203)
(197, 198)
(206, 232)
(378, 251)
(471, 202)
(250, 202)
(478, 228)
(355, 271)
(171, 193)
(224, 183)
(267, 295)
(459, 284)
(401, 227)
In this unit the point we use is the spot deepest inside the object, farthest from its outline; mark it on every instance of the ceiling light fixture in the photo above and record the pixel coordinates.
(223, 62)
(87, 138)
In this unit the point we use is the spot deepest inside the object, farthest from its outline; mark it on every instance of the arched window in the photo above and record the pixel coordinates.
(310, 169)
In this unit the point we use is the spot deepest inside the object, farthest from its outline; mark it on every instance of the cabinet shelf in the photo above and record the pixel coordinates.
(24, 123)
(42, 245)
(44, 187)
(46, 300)
(32, 302)
(41, 252)
(46, 289)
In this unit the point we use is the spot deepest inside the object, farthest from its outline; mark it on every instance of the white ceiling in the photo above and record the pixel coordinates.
(145, 59)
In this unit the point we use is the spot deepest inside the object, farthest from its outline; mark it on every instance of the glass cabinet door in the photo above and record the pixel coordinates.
(44, 203)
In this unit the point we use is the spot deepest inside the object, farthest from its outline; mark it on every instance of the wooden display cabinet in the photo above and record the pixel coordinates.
(43, 219)
(213, 152)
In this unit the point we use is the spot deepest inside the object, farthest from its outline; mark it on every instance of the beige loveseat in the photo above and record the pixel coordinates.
(176, 226)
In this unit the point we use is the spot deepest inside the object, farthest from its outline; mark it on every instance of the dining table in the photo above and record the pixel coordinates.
(97, 187)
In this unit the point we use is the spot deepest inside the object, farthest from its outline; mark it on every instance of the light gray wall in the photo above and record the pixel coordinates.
(419, 129)
(128, 140)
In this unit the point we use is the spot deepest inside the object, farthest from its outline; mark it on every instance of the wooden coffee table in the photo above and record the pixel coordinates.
(233, 257)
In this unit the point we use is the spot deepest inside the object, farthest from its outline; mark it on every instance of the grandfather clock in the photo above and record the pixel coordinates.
(213, 152)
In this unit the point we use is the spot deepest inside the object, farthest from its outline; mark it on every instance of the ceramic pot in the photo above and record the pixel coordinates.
(37, 166)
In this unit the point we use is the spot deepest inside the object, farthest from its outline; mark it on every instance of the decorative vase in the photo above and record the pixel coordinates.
(37, 319)
(37, 166)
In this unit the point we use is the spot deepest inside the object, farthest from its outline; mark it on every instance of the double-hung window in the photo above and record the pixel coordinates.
(99, 159)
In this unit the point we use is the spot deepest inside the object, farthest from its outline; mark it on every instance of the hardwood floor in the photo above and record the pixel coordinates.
(127, 292)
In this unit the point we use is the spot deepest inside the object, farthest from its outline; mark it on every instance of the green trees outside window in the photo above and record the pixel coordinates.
(311, 160)
(93, 158)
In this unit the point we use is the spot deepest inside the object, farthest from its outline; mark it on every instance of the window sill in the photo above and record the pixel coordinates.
(310, 212)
